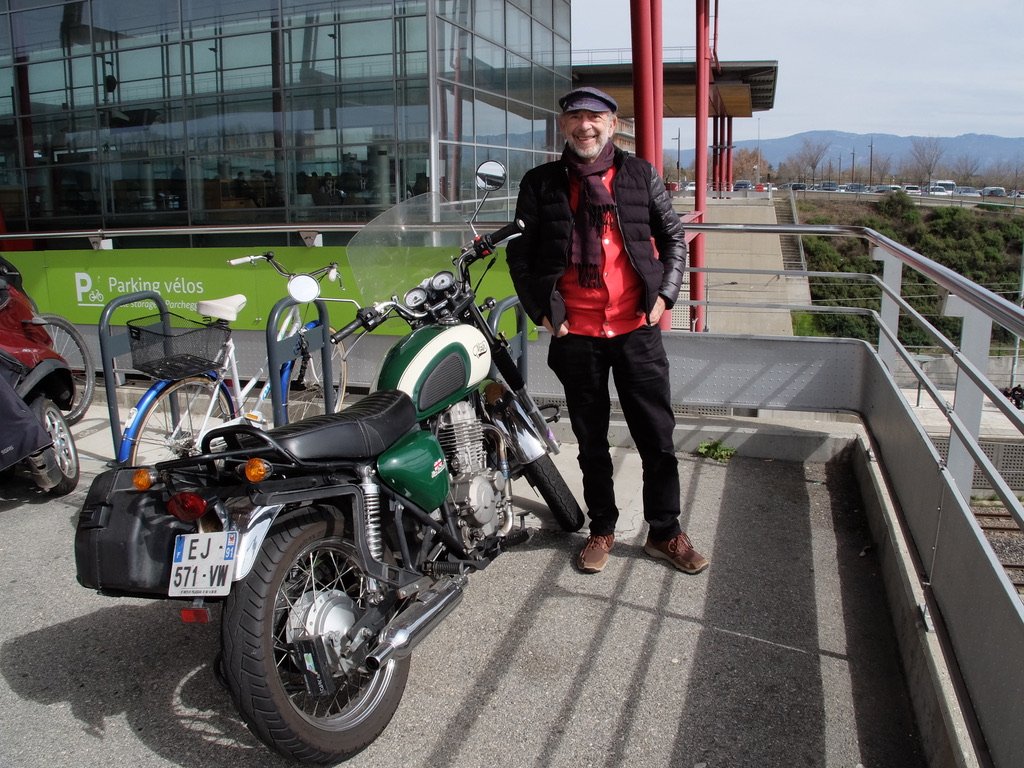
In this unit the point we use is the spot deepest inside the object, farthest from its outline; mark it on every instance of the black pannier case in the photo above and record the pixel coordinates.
(125, 538)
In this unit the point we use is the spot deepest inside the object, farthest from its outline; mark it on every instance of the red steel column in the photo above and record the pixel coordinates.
(697, 313)
(643, 76)
(658, 85)
(727, 132)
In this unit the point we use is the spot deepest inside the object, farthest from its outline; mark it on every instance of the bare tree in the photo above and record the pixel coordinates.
(925, 153)
(809, 156)
(965, 169)
(881, 167)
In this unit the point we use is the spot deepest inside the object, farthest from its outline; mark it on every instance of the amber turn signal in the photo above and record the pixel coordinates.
(257, 470)
(143, 479)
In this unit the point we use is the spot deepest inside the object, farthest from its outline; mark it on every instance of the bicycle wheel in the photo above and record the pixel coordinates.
(303, 385)
(156, 435)
(69, 344)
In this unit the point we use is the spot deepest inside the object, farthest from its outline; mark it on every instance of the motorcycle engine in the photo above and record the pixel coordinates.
(476, 490)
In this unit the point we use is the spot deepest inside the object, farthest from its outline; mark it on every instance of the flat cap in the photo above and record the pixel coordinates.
(590, 99)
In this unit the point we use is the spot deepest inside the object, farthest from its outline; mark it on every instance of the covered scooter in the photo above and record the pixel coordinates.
(35, 385)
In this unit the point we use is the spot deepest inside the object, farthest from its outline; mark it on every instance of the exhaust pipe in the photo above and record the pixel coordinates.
(417, 621)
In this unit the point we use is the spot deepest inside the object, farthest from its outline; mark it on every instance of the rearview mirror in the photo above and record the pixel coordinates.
(303, 288)
(490, 176)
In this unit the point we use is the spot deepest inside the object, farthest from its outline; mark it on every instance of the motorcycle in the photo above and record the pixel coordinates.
(36, 385)
(337, 543)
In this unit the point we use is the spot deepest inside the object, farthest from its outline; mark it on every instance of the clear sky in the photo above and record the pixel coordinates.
(906, 67)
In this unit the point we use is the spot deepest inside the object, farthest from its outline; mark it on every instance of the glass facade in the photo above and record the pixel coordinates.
(177, 112)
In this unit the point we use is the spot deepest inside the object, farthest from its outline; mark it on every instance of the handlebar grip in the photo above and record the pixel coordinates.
(512, 228)
(247, 259)
(347, 331)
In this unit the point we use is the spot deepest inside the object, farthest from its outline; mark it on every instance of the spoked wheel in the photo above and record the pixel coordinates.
(172, 424)
(307, 587)
(69, 344)
(545, 477)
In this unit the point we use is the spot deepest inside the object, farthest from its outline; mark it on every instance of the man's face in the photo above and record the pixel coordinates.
(587, 132)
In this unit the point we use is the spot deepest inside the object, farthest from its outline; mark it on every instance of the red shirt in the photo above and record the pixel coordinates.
(616, 307)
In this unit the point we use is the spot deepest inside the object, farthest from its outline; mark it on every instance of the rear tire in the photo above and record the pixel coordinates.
(304, 556)
(63, 452)
(543, 475)
(69, 344)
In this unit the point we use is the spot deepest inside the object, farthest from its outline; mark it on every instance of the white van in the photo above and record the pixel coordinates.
(948, 184)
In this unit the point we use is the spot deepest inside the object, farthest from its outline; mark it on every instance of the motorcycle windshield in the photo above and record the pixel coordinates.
(406, 244)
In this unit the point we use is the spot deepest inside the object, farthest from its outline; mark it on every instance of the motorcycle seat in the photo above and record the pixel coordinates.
(363, 430)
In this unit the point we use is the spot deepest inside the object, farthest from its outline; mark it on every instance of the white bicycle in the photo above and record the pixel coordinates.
(197, 384)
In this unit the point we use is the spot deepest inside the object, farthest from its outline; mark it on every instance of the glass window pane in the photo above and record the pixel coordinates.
(135, 23)
(490, 120)
(456, 10)
(49, 33)
(542, 11)
(520, 79)
(542, 45)
(489, 66)
(412, 42)
(544, 88)
(563, 19)
(199, 16)
(489, 19)
(456, 112)
(454, 54)
(517, 31)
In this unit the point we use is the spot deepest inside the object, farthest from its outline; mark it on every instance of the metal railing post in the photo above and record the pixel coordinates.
(889, 312)
(968, 399)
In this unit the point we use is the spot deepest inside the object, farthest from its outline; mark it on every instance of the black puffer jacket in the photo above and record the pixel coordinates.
(540, 256)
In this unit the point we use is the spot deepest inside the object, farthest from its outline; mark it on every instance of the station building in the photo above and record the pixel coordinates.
(151, 113)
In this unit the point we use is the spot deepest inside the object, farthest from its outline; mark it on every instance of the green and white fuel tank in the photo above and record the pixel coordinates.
(436, 365)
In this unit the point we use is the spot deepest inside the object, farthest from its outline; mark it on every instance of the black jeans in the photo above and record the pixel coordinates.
(639, 365)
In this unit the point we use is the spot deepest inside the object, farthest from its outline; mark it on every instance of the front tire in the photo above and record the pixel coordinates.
(543, 475)
(303, 557)
(64, 471)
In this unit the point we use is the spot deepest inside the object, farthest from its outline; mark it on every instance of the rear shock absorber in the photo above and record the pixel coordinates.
(371, 511)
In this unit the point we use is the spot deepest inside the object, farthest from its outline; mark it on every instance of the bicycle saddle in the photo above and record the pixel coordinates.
(226, 308)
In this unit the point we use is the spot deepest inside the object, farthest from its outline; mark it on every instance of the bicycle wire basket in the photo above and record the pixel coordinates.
(191, 348)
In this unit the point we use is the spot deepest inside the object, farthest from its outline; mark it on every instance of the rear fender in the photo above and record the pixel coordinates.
(252, 536)
(53, 377)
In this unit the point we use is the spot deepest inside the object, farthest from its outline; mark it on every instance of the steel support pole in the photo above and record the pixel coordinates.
(697, 279)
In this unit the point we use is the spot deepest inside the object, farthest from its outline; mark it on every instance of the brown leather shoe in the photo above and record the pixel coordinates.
(594, 555)
(678, 551)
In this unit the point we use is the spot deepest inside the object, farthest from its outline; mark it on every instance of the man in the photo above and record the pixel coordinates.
(585, 268)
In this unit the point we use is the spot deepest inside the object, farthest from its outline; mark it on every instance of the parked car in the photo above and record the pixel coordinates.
(829, 186)
(938, 191)
(797, 186)
(742, 184)
(912, 189)
(993, 192)
(967, 192)
(691, 186)
(856, 187)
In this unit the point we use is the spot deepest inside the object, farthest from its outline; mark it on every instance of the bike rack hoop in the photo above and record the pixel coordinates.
(114, 345)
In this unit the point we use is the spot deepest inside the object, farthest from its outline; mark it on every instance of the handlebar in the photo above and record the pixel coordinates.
(512, 228)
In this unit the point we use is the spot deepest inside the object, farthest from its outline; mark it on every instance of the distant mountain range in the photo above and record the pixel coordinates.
(985, 149)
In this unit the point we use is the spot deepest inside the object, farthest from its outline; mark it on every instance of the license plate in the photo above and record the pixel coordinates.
(203, 564)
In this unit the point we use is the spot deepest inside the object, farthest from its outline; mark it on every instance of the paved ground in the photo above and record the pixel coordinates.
(780, 654)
